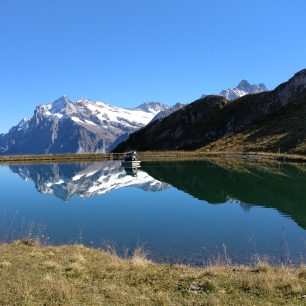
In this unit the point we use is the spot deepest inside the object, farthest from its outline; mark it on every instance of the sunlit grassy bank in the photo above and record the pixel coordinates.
(44, 158)
(153, 156)
(76, 275)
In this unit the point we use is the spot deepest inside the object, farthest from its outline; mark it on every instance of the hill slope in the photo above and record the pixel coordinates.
(213, 117)
(282, 131)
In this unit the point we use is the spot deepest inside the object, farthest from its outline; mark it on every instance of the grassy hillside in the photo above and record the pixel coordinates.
(213, 122)
(282, 131)
(75, 275)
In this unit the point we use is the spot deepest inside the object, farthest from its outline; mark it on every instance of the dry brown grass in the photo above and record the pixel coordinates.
(220, 152)
(139, 258)
(76, 275)
(4, 264)
(74, 157)
(225, 148)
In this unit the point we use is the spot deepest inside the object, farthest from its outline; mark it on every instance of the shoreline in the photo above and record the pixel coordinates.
(153, 156)
(73, 274)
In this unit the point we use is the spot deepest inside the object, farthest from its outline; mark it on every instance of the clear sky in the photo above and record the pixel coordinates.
(126, 52)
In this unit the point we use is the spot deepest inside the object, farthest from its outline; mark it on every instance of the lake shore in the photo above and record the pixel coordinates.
(32, 274)
(152, 156)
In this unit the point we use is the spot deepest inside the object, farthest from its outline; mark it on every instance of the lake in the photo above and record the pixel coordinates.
(192, 212)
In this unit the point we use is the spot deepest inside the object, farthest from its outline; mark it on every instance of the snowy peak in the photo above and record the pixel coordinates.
(152, 107)
(167, 112)
(60, 104)
(20, 127)
(84, 111)
(23, 124)
(242, 89)
(245, 86)
(65, 126)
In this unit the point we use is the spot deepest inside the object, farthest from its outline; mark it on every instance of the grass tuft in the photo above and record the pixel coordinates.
(139, 258)
(262, 267)
(51, 265)
(302, 273)
(4, 264)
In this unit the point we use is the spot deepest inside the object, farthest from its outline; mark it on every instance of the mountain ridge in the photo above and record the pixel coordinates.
(64, 126)
(208, 119)
(243, 88)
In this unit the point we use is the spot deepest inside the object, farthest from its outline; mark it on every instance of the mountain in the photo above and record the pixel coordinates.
(242, 89)
(214, 117)
(85, 180)
(167, 111)
(151, 107)
(73, 127)
(281, 131)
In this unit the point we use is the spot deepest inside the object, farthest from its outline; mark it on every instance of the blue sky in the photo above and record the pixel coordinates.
(126, 52)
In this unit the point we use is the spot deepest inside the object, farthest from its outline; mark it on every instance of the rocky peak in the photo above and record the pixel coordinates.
(294, 86)
(23, 121)
(244, 85)
(62, 105)
(248, 88)
(74, 127)
(61, 102)
(243, 88)
(166, 112)
(152, 106)
(178, 105)
(23, 124)
(300, 73)
(299, 79)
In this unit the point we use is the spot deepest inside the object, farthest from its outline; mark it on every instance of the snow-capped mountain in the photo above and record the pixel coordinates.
(74, 127)
(85, 180)
(168, 111)
(65, 126)
(242, 89)
(151, 107)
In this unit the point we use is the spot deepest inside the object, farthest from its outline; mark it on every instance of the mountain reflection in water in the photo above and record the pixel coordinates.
(279, 186)
(273, 185)
(86, 179)
(182, 211)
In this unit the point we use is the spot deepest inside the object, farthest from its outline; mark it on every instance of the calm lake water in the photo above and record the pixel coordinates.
(186, 212)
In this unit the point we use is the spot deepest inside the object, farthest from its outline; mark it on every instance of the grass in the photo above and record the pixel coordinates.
(204, 154)
(235, 152)
(283, 130)
(76, 275)
(43, 158)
